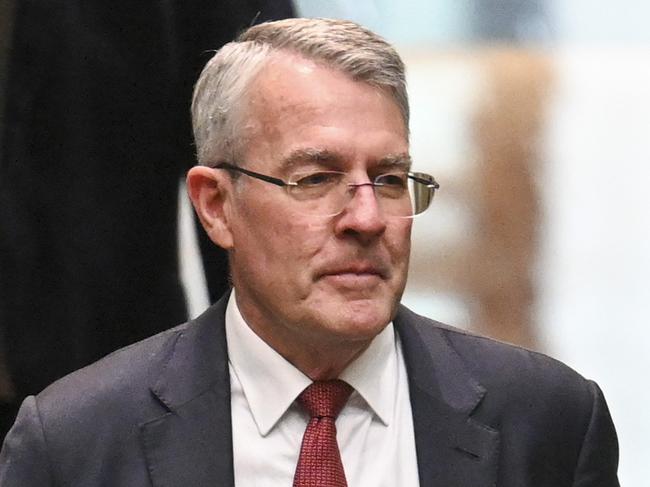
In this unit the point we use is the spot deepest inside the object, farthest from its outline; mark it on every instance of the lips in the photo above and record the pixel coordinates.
(357, 269)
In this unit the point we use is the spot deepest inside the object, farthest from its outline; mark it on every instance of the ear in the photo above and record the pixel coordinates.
(210, 192)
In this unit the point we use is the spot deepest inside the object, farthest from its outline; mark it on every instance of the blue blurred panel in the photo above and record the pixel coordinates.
(406, 22)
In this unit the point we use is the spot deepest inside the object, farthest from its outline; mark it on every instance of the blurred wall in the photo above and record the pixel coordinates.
(595, 301)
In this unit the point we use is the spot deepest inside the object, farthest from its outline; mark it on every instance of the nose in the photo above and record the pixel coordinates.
(362, 217)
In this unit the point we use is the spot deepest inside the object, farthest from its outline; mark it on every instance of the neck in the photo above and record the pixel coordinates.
(326, 364)
(320, 355)
(324, 361)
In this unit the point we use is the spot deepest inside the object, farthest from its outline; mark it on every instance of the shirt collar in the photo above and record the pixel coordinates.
(373, 374)
(271, 384)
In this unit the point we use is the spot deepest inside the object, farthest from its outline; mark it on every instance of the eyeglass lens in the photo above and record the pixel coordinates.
(328, 193)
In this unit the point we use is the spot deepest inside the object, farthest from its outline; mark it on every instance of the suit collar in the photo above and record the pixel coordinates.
(452, 447)
(191, 369)
(191, 443)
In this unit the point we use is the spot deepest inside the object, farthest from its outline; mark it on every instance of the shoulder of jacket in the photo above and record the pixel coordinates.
(492, 360)
(118, 380)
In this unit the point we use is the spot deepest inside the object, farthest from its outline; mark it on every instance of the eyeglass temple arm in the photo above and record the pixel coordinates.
(430, 183)
(279, 182)
(253, 174)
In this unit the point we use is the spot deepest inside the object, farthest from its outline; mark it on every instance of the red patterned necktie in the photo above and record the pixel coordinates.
(320, 464)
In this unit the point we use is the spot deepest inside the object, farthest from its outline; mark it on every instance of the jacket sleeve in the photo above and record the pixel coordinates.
(598, 461)
(24, 460)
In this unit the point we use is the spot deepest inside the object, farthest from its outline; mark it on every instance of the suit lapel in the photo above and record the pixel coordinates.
(191, 444)
(453, 449)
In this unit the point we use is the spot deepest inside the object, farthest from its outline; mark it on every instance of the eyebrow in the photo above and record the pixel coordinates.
(325, 156)
(396, 161)
(314, 155)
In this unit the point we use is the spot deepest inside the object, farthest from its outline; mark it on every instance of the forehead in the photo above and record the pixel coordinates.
(300, 106)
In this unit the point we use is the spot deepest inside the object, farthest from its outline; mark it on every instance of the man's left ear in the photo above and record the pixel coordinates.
(210, 192)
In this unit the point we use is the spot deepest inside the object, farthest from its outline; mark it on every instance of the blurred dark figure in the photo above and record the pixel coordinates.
(96, 137)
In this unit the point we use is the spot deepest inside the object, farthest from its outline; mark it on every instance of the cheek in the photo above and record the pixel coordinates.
(288, 240)
(305, 241)
(399, 240)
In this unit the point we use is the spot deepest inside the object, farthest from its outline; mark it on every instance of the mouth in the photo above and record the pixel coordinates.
(355, 275)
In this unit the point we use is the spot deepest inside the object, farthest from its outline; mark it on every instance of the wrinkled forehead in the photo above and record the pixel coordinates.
(276, 83)
(311, 111)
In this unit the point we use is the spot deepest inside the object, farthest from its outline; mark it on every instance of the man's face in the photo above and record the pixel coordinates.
(312, 279)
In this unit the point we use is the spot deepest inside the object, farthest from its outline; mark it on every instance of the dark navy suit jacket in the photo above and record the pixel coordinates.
(157, 413)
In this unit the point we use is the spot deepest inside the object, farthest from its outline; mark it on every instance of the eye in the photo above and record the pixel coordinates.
(317, 179)
(392, 180)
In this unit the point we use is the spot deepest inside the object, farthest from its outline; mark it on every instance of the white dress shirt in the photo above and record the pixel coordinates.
(374, 430)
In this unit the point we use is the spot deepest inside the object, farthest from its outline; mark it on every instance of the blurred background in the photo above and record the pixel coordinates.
(534, 115)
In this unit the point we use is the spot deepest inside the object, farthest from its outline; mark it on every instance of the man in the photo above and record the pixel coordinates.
(310, 372)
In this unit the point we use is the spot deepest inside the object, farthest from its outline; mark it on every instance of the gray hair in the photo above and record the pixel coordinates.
(340, 44)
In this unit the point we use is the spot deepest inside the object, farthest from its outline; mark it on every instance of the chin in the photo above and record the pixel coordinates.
(362, 320)
(352, 316)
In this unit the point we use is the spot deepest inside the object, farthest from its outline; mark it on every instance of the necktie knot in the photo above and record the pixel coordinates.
(325, 398)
